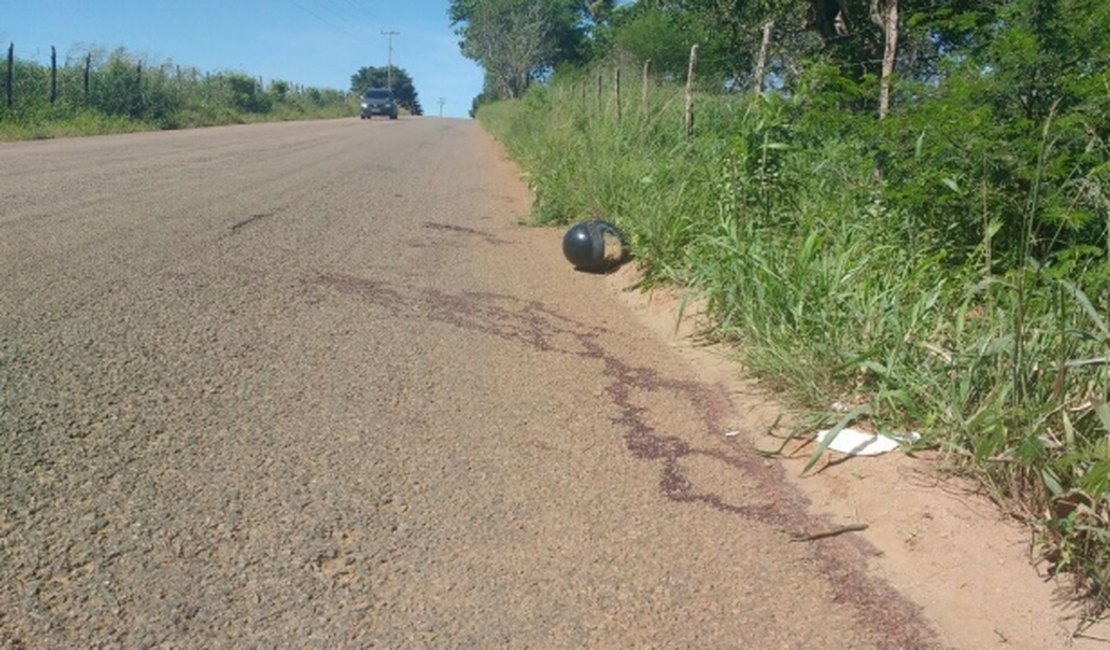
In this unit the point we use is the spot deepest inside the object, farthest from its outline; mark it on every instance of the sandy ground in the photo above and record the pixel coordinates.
(312, 385)
(935, 537)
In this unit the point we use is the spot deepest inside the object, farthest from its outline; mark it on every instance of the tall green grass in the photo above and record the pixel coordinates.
(126, 93)
(877, 266)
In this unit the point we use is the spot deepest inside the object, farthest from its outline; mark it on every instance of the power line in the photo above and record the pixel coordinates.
(344, 15)
(360, 11)
(324, 20)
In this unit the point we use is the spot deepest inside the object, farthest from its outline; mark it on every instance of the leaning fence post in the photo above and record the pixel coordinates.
(690, 91)
(53, 74)
(11, 71)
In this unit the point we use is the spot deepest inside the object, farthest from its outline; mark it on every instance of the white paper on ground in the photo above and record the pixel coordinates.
(862, 443)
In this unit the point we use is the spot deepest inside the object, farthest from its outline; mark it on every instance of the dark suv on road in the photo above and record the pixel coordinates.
(378, 101)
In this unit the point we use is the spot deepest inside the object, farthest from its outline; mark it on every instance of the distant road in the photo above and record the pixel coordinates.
(310, 384)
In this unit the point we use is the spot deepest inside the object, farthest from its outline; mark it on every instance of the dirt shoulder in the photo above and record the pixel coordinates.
(934, 537)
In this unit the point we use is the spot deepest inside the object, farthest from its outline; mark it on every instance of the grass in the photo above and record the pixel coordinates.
(125, 94)
(85, 122)
(76, 124)
(989, 338)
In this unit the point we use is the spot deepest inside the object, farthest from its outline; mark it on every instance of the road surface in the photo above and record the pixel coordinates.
(311, 384)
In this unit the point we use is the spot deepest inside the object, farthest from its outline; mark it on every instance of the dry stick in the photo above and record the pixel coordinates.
(690, 91)
(831, 532)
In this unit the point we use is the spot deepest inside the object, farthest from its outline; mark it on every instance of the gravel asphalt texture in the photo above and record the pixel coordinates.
(312, 385)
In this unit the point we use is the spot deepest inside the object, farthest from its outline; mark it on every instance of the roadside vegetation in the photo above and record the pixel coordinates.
(899, 207)
(97, 93)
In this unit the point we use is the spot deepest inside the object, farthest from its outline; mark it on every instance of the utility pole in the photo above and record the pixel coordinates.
(442, 101)
(389, 66)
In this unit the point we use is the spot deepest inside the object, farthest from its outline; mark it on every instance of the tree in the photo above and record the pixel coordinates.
(663, 36)
(511, 39)
(378, 77)
(519, 41)
(885, 15)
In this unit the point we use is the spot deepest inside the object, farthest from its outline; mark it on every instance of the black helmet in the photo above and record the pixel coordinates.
(584, 245)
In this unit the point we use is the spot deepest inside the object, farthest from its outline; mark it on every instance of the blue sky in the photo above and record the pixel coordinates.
(311, 42)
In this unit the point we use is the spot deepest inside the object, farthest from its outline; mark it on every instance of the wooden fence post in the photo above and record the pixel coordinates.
(88, 64)
(11, 71)
(761, 61)
(138, 105)
(690, 91)
(617, 82)
(599, 107)
(644, 91)
(53, 74)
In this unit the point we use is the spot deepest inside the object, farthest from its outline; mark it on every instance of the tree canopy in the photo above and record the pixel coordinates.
(378, 77)
(519, 41)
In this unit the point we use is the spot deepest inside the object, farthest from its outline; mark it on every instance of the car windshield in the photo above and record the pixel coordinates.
(377, 94)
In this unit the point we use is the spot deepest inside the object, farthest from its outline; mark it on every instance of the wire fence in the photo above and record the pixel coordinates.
(627, 88)
(123, 85)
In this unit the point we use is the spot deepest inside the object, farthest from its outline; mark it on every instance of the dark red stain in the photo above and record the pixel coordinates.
(895, 622)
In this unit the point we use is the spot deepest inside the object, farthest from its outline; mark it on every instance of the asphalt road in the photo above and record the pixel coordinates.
(310, 384)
